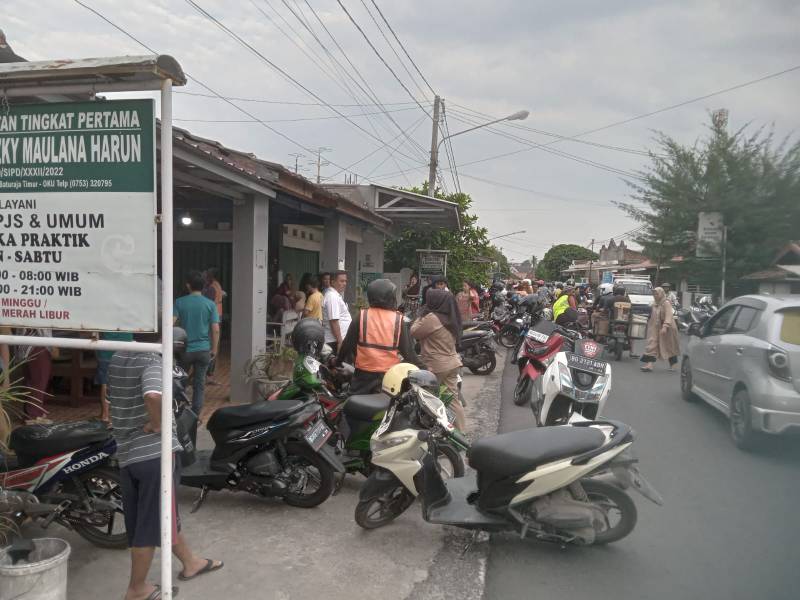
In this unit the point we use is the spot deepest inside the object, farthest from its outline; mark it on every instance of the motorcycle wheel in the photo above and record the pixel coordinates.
(610, 498)
(315, 471)
(450, 461)
(102, 483)
(522, 391)
(508, 337)
(487, 366)
(382, 510)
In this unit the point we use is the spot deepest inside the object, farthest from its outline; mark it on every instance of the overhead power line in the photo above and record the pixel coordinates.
(299, 119)
(378, 54)
(648, 114)
(411, 60)
(203, 85)
(228, 31)
(291, 102)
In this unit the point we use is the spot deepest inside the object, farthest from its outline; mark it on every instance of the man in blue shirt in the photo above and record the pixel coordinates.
(198, 316)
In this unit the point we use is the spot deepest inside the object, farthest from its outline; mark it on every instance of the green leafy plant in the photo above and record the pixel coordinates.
(270, 369)
(13, 396)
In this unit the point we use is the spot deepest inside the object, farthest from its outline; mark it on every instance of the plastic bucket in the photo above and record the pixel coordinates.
(42, 577)
(638, 327)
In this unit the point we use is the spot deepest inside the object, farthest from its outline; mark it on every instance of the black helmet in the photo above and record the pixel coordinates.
(179, 338)
(308, 337)
(424, 379)
(619, 290)
(381, 293)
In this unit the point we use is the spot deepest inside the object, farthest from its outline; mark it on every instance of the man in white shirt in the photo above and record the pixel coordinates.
(335, 314)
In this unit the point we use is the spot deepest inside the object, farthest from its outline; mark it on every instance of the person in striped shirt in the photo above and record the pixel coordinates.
(134, 395)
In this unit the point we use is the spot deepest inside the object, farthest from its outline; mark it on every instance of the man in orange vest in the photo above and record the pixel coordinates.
(377, 338)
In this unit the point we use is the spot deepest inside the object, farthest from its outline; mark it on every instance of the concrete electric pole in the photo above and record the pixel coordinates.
(434, 148)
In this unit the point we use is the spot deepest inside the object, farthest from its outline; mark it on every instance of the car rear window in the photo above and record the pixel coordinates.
(790, 326)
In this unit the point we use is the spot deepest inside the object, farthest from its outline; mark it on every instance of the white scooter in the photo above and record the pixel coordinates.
(575, 386)
(549, 483)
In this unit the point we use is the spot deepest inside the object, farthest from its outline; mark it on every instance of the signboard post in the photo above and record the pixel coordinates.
(78, 217)
(712, 239)
(432, 263)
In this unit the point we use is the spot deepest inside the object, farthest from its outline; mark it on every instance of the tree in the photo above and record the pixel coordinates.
(471, 255)
(754, 184)
(559, 258)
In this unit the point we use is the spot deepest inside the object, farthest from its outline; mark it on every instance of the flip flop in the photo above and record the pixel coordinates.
(209, 568)
(156, 593)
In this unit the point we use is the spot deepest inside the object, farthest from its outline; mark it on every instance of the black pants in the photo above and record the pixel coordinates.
(366, 382)
(140, 484)
(647, 358)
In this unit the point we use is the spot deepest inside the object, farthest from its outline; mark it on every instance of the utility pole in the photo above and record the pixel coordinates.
(434, 148)
(724, 262)
(320, 163)
(591, 260)
(297, 156)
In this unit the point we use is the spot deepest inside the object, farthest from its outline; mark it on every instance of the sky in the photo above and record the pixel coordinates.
(575, 65)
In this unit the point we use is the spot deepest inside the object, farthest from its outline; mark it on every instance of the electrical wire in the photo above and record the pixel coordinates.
(378, 54)
(451, 155)
(651, 113)
(280, 70)
(391, 47)
(289, 102)
(323, 118)
(203, 85)
(411, 60)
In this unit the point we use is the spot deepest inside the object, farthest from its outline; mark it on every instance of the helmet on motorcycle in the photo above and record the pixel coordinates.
(394, 378)
(606, 288)
(381, 293)
(308, 337)
(424, 379)
(179, 339)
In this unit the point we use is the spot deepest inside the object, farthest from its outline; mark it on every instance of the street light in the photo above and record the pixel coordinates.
(520, 115)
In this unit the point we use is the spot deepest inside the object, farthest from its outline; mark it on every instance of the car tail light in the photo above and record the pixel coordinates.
(778, 363)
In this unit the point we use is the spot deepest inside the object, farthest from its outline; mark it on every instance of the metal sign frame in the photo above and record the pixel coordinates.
(152, 73)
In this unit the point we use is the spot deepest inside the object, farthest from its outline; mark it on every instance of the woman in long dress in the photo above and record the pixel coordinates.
(662, 334)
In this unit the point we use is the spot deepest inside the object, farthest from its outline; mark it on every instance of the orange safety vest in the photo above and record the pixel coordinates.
(378, 340)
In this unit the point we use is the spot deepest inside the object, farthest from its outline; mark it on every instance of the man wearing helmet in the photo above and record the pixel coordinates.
(607, 302)
(376, 339)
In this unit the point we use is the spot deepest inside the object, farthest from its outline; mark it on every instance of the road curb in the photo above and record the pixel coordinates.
(455, 573)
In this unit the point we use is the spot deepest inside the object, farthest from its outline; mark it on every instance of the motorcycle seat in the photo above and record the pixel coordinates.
(468, 324)
(32, 442)
(364, 407)
(518, 452)
(231, 417)
(473, 335)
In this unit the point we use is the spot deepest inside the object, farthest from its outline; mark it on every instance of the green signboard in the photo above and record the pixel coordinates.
(77, 215)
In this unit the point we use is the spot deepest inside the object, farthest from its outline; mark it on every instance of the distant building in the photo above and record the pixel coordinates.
(783, 277)
(613, 258)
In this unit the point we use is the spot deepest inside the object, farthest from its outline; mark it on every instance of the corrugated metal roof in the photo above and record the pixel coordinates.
(91, 71)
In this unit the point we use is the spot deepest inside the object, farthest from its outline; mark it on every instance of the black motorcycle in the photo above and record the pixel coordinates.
(477, 351)
(272, 449)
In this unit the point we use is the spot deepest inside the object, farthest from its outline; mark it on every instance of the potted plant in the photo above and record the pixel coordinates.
(271, 369)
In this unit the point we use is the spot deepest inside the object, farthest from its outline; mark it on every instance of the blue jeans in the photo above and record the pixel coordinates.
(200, 361)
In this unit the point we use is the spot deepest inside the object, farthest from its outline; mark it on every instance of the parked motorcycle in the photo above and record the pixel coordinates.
(273, 449)
(353, 419)
(543, 483)
(541, 344)
(67, 468)
(477, 351)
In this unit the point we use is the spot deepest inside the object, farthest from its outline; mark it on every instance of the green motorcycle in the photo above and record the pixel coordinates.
(354, 418)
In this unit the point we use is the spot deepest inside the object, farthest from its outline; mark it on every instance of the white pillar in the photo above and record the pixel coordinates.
(333, 244)
(249, 309)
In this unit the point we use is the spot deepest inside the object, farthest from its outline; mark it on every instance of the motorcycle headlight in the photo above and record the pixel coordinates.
(583, 379)
(377, 445)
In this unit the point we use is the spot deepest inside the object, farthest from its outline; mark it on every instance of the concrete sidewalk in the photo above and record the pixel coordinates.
(276, 552)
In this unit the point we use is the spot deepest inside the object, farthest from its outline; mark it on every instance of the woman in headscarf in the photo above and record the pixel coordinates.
(438, 329)
(662, 334)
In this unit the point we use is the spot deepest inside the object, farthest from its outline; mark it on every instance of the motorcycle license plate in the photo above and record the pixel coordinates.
(317, 435)
(538, 336)
(584, 363)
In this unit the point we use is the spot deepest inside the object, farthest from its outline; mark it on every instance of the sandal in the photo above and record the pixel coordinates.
(209, 568)
(156, 593)
(646, 370)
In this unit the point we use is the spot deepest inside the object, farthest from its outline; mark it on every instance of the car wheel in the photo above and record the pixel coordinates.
(686, 381)
(741, 422)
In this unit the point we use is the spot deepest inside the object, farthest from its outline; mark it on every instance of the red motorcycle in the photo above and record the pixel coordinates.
(542, 342)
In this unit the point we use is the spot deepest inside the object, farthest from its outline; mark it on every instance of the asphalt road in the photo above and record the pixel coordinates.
(728, 530)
